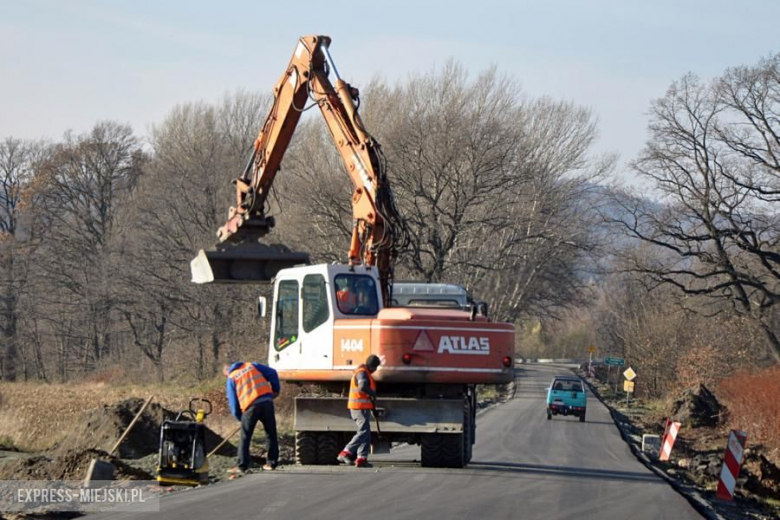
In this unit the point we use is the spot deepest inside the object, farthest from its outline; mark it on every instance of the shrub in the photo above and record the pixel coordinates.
(753, 400)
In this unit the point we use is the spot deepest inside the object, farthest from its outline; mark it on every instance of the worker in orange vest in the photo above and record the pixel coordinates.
(251, 389)
(362, 399)
(347, 300)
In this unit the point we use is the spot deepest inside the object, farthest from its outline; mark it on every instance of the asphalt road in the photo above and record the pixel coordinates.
(524, 466)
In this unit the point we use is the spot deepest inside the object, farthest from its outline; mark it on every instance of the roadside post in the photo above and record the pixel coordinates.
(628, 384)
(667, 441)
(591, 350)
(732, 460)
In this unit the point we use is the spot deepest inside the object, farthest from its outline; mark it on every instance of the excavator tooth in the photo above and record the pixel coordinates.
(243, 263)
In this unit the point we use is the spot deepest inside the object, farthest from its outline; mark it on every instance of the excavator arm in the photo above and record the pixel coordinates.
(377, 228)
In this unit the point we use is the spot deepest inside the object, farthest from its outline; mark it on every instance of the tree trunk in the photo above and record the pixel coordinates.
(9, 361)
(201, 360)
(215, 347)
(774, 344)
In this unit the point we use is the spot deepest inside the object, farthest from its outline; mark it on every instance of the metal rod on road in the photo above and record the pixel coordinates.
(224, 441)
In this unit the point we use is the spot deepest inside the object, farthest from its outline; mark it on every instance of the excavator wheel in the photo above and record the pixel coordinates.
(305, 448)
(452, 452)
(430, 447)
(440, 450)
(467, 440)
(327, 449)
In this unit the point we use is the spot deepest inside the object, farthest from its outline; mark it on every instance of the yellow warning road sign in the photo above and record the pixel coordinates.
(629, 374)
(592, 349)
(628, 386)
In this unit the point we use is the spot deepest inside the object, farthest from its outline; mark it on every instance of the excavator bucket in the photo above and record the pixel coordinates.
(243, 263)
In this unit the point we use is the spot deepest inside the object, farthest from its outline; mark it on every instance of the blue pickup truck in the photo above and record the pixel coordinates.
(566, 396)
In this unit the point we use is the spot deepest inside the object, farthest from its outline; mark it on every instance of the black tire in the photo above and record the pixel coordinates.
(430, 448)
(440, 450)
(467, 439)
(549, 415)
(582, 418)
(452, 451)
(305, 448)
(327, 449)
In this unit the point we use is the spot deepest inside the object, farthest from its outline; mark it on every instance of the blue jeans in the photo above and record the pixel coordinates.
(262, 412)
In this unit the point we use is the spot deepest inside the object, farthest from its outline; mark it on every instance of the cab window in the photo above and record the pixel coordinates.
(315, 302)
(286, 314)
(356, 294)
(567, 385)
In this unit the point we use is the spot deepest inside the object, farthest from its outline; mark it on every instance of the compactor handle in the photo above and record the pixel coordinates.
(200, 413)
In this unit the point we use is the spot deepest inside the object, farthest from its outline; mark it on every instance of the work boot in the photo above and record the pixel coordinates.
(362, 462)
(345, 457)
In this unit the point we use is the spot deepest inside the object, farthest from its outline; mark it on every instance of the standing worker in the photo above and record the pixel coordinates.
(362, 399)
(251, 389)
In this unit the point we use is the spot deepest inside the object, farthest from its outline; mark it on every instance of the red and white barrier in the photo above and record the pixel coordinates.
(670, 435)
(732, 460)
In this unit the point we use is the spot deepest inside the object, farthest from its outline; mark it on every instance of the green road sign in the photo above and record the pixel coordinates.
(614, 361)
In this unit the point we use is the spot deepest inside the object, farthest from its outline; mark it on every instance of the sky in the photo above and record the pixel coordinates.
(67, 64)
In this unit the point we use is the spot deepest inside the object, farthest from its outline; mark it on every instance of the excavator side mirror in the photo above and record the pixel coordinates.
(261, 306)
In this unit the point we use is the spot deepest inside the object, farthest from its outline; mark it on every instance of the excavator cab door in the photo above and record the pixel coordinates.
(302, 322)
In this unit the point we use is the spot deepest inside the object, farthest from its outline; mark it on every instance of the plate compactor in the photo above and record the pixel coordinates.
(182, 458)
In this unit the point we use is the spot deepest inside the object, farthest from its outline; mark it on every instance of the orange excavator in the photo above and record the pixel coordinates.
(435, 346)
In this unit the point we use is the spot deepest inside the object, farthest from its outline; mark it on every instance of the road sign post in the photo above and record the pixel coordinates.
(628, 384)
(628, 387)
(591, 350)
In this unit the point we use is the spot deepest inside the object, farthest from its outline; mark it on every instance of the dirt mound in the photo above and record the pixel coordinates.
(101, 427)
(764, 476)
(72, 466)
(697, 407)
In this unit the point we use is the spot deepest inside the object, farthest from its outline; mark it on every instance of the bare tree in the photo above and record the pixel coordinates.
(18, 239)
(86, 180)
(494, 189)
(176, 210)
(717, 223)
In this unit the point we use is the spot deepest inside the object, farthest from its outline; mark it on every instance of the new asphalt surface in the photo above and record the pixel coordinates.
(523, 466)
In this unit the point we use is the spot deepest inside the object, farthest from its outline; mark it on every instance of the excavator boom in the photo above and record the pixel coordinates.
(377, 228)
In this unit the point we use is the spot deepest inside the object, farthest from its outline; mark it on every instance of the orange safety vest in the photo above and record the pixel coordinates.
(250, 384)
(347, 300)
(360, 400)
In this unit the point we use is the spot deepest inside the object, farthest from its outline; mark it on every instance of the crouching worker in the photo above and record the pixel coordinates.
(362, 397)
(251, 389)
